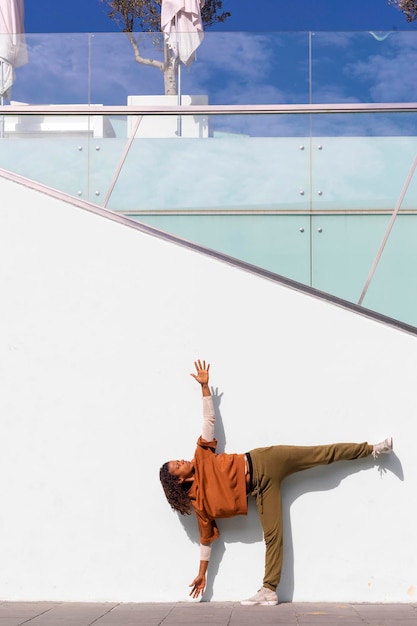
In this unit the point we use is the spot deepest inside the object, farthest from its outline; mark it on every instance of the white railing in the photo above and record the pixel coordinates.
(216, 109)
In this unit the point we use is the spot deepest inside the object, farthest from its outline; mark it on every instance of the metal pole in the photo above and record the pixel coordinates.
(179, 118)
(2, 102)
(388, 231)
(122, 160)
(178, 63)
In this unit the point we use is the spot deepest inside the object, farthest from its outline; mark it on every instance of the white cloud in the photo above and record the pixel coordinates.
(389, 78)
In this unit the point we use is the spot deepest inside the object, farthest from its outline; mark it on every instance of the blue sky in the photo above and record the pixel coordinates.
(44, 16)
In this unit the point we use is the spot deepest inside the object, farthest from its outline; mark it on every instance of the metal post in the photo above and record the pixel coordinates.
(389, 228)
(179, 118)
(2, 101)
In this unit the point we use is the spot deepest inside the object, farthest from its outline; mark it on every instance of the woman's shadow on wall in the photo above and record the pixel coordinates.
(247, 529)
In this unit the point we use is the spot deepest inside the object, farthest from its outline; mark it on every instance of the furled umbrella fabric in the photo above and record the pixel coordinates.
(13, 52)
(182, 27)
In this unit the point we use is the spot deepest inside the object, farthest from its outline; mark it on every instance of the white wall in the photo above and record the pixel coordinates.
(99, 327)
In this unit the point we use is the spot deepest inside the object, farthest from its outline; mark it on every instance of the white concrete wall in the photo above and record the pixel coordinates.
(99, 327)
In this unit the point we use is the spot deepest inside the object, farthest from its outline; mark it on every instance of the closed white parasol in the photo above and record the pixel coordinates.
(182, 27)
(13, 52)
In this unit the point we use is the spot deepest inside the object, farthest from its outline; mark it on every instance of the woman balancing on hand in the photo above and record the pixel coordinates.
(217, 486)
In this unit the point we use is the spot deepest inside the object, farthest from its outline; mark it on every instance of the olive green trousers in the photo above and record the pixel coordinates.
(270, 466)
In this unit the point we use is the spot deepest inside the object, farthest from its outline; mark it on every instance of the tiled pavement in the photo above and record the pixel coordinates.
(205, 614)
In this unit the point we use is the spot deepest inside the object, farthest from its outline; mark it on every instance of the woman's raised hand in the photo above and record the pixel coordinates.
(202, 375)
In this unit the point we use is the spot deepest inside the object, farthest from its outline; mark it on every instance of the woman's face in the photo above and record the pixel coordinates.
(183, 470)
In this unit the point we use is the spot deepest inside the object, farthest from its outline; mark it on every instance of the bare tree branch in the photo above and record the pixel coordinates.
(139, 58)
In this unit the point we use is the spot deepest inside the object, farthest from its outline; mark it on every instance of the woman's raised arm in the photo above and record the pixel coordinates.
(209, 418)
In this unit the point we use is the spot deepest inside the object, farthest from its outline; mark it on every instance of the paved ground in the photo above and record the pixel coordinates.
(205, 614)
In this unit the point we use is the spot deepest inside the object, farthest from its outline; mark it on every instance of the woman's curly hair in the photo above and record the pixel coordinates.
(176, 493)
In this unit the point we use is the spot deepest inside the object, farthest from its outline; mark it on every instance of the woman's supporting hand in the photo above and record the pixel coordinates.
(198, 585)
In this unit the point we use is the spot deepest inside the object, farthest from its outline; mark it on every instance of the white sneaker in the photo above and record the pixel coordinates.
(385, 447)
(263, 596)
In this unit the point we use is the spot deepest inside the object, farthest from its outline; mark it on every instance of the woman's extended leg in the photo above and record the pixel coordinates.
(285, 460)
